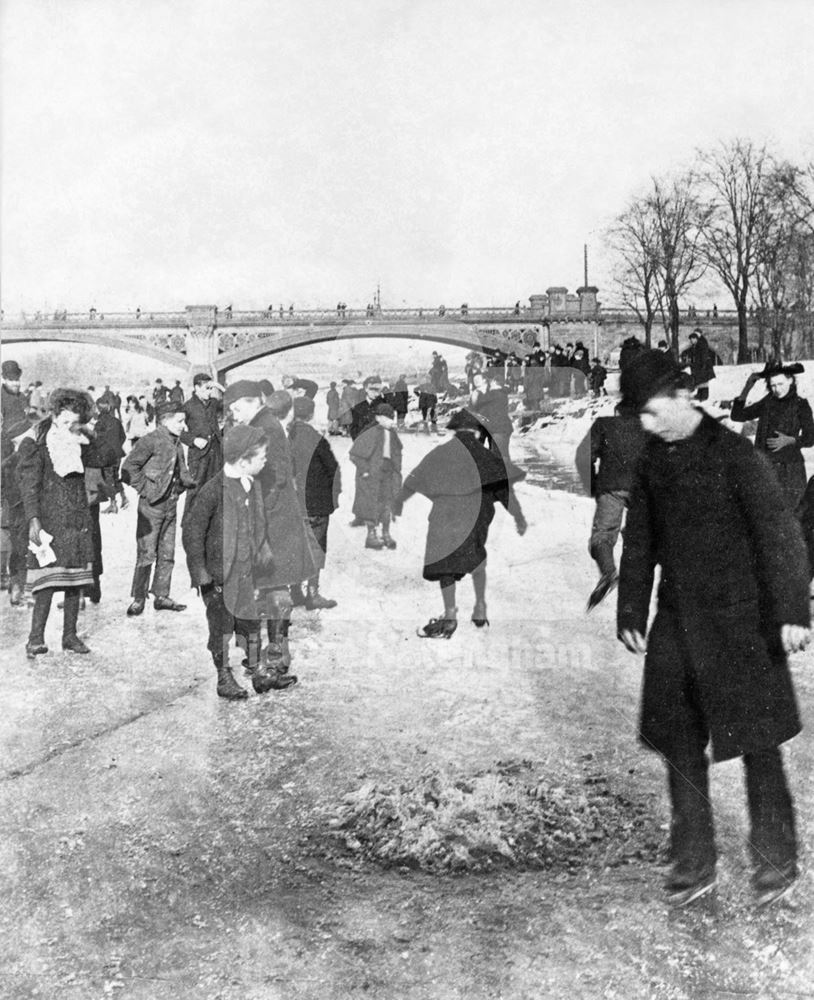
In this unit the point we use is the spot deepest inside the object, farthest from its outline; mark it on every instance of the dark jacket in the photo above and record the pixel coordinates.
(202, 422)
(60, 502)
(701, 359)
(284, 523)
(210, 531)
(12, 406)
(616, 444)
(400, 397)
(367, 454)
(106, 449)
(710, 513)
(364, 415)
(316, 471)
(790, 415)
(631, 349)
(149, 467)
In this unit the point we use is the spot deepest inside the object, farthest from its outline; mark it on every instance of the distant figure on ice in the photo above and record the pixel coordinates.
(784, 425)
(614, 444)
(333, 402)
(319, 483)
(490, 401)
(597, 377)
(732, 603)
(464, 481)
(701, 359)
(376, 453)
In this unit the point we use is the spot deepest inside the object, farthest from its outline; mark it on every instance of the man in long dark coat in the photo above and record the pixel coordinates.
(202, 436)
(732, 602)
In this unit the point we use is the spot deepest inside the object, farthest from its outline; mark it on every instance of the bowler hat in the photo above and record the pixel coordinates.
(11, 370)
(243, 389)
(385, 410)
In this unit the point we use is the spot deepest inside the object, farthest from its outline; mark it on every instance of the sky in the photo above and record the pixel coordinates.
(160, 153)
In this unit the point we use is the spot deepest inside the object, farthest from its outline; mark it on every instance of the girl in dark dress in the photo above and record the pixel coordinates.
(51, 476)
(463, 480)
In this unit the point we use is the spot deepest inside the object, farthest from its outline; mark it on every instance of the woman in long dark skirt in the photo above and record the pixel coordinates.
(464, 481)
(51, 477)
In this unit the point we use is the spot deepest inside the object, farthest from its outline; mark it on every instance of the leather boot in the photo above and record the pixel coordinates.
(314, 601)
(228, 687)
(373, 541)
(297, 597)
(39, 617)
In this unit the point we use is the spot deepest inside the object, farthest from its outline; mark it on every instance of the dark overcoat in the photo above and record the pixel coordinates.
(285, 527)
(202, 422)
(210, 534)
(464, 480)
(709, 511)
(60, 502)
(367, 454)
(150, 465)
(316, 471)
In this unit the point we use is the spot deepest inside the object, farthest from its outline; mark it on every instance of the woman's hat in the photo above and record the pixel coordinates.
(385, 410)
(778, 368)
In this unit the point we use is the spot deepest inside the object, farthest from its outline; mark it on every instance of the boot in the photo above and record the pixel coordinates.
(373, 541)
(314, 601)
(141, 581)
(252, 659)
(39, 617)
(70, 640)
(298, 599)
(228, 687)
(387, 541)
(268, 680)
(278, 654)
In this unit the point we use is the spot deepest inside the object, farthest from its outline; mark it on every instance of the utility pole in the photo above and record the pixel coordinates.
(585, 263)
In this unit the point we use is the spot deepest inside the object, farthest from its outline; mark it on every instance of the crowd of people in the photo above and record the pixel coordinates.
(260, 484)
(730, 525)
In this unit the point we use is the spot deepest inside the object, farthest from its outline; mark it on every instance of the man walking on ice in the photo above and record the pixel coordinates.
(732, 603)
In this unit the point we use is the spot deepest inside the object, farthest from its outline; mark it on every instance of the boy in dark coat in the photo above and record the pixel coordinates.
(732, 602)
(316, 473)
(286, 532)
(227, 552)
(464, 480)
(596, 378)
(109, 440)
(701, 359)
(376, 453)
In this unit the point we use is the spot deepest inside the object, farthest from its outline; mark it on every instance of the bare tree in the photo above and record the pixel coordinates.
(734, 177)
(679, 219)
(632, 237)
(782, 285)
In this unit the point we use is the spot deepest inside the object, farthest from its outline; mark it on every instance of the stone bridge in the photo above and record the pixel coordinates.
(205, 338)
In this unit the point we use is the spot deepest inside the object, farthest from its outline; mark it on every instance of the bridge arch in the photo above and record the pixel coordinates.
(73, 336)
(454, 334)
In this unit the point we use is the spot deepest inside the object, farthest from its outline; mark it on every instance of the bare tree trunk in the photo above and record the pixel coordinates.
(743, 333)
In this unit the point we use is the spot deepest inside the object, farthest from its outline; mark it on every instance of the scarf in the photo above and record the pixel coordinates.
(65, 450)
